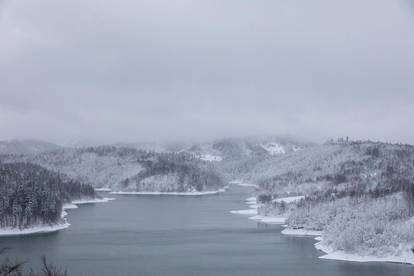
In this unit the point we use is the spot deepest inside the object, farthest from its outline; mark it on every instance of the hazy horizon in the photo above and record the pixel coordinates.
(166, 71)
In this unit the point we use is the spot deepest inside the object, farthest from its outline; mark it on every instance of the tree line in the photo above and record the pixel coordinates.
(32, 195)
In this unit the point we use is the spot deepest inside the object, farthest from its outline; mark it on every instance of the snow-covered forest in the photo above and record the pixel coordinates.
(359, 194)
(31, 195)
(174, 172)
(125, 169)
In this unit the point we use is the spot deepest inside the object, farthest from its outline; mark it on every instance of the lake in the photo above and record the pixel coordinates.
(178, 236)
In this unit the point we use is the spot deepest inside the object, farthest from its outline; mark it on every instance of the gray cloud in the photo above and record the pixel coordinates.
(157, 69)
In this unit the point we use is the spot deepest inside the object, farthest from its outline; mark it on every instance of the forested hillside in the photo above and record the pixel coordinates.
(359, 194)
(128, 169)
(237, 157)
(31, 195)
(174, 172)
(98, 166)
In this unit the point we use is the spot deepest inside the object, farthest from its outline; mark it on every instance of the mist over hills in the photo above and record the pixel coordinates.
(24, 147)
(158, 168)
(340, 184)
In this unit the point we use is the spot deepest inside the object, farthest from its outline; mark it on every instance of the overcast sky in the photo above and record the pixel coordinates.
(134, 70)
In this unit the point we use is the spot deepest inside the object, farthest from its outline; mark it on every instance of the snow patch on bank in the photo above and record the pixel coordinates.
(252, 203)
(269, 219)
(242, 184)
(106, 190)
(290, 199)
(92, 200)
(402, 255)
(251, 199)
(301, 232)
(274, 148)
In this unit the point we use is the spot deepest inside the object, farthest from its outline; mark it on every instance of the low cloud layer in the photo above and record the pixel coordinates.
(111, 71)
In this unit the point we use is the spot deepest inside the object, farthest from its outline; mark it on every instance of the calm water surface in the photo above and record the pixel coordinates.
(179, 236)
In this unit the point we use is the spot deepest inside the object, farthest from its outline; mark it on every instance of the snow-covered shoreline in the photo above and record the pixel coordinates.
(39, 229)
(253, 213)
(107, 190)
(195, 193)
(42, 229)
(269, 219)
(242, 184)
(404, 255)
(301, 232)
(93, 200)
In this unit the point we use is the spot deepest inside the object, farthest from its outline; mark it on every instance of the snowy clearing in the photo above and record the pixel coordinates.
(274, 148)
(69, 206)
(242, 184)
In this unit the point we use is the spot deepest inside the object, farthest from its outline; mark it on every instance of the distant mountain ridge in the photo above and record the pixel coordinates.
(31, 146)
(129, 169)
(232, 149)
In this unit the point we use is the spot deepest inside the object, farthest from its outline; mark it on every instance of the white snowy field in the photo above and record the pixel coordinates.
(39, 229)
(251, 203)
(194, 193)
(274, 148)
